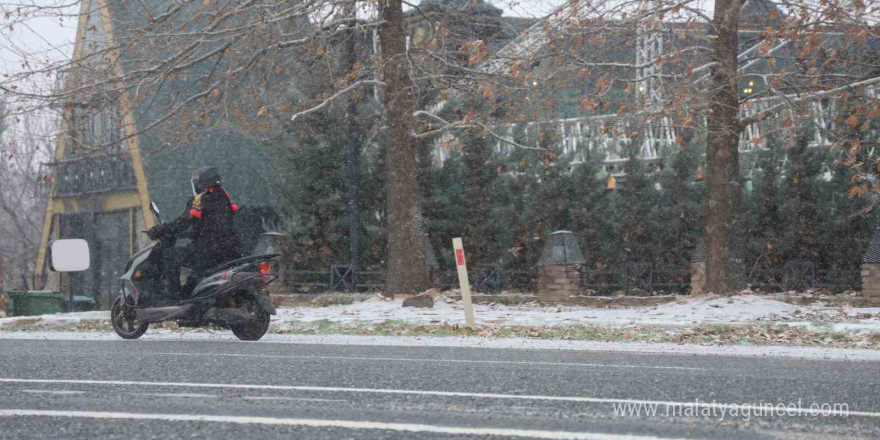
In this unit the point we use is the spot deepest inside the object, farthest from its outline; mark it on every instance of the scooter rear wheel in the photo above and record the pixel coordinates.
(125, 322)
(257, 323)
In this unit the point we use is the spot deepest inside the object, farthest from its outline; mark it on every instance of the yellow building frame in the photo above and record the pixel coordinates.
(112, 201)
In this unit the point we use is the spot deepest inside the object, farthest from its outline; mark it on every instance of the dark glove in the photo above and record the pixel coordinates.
(154, 233)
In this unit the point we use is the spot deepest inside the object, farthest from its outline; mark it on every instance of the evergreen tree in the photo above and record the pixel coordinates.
(478, 225)
(849, 225)
(799, 207)
(682, 200)
(763, 227)
(591, 221)
(313, 200)
(446, 207)
(638, 228)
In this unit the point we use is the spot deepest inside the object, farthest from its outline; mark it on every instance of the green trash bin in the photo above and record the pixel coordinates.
(35, 302)
(80, 304)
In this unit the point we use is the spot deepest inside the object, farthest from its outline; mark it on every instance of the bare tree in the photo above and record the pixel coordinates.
(28, 141)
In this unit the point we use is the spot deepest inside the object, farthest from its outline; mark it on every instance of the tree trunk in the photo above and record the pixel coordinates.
(722, 155)
(407, 271)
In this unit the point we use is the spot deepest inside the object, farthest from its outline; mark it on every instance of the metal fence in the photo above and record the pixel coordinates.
(645, 277)
(803, 275)
(339, 278)
(628, 278)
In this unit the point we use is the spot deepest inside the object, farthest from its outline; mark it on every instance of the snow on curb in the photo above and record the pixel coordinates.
(685, 312)
(814, 353)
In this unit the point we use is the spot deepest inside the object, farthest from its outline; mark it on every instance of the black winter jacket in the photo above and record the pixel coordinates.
(209, 215)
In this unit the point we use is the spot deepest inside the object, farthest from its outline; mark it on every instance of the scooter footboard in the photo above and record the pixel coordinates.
(159, 314)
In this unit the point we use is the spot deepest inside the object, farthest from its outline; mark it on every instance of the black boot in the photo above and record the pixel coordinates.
(170, 292)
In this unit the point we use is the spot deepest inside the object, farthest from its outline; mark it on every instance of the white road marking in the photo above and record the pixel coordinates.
(58, 392)
(180, 395)
(320, 423)
(295, 399)
(394, 359)
(579, 399)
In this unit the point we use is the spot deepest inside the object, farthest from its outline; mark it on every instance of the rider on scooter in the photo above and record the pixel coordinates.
(209, 217)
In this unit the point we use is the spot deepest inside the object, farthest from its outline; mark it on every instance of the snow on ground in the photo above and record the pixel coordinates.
(687, 311)
(60, 318)
(684, 312)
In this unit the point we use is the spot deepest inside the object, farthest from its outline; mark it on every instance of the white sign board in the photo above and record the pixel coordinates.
(69, 255)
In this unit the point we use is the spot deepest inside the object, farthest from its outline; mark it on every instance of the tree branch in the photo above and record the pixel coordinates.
(791, 99)
(336, 95)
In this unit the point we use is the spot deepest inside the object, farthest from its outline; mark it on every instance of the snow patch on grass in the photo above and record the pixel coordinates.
(686, 311)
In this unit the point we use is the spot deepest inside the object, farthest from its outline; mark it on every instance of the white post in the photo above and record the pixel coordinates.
(463, 282)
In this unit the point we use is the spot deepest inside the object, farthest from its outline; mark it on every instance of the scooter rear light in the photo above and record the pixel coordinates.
(265, 268)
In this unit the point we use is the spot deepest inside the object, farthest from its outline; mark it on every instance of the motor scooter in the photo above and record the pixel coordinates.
(231, 295)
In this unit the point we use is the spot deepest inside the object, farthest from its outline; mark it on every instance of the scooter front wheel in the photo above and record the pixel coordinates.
(125, 322)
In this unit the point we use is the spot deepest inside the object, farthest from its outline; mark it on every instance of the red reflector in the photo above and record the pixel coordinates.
(265, 268)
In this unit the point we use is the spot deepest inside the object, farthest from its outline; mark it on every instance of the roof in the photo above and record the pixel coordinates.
(561, 249)
(241, 158)
(872, 255)
(699, 255)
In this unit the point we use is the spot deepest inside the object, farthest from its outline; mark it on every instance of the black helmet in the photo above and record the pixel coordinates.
(205, 178)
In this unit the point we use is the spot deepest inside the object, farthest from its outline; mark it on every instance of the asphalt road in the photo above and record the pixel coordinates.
(234, 390)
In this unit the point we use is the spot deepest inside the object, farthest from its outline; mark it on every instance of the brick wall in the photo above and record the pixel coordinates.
(871, 282)
(698, 278)
(556, 284)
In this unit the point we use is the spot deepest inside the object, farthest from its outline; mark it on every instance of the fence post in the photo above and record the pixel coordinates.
(463, 282)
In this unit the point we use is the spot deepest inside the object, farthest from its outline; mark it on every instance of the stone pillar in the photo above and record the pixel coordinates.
(557, 284)
(871, 281)
(698, 269)
(871, 270)
(698, 278)
(559, 268)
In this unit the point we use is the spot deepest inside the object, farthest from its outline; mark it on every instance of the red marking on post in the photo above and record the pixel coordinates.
(459, 256)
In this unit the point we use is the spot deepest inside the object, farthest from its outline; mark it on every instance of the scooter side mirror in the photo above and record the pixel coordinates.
(71, 255)
(155, 209)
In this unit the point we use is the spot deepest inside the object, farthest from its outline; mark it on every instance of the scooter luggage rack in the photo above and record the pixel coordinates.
(240, 261)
